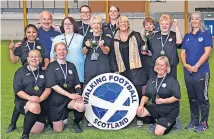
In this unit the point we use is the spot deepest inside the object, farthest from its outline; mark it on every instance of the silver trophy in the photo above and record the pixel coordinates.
(147, 34)
(94, 55)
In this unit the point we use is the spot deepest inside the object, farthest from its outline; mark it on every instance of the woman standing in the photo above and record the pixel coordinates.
(126, 59)
(195, 52)
(96, 48)
(165, 43)
(66, 92)
(111, 27)
(30, 93)
(164, 93)
(84, 25)
(74, 42)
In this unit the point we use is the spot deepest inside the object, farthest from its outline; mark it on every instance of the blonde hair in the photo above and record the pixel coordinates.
(166, 62)
(201, 18)
(34, 51)
(96, 19)
(60, 43)
(37, 52)
(166, 17)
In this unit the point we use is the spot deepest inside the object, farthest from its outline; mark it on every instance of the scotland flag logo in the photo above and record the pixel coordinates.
(111, 101)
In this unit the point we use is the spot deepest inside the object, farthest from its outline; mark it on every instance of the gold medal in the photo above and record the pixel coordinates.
(65, 85)
(36, 88)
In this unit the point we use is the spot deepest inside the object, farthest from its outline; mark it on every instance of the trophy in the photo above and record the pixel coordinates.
(94, 55)
(147, 34)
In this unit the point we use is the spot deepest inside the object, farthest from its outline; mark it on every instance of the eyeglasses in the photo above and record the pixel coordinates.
(85, 12)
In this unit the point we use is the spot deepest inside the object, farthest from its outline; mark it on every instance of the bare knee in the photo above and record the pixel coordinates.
(58, 126)
(37, 128)
(58, 129)
(34, 108)
(158, 132)
(81, 108)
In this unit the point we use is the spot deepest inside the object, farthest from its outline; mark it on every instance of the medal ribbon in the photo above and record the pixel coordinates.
(163, 44)
(70, 40)
(83, 30)
(156, 84)
(35, 77)
(29, 46)
(66, 69)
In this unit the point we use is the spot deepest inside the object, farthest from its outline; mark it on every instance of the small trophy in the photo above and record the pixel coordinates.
(147, 34)
(94, 55)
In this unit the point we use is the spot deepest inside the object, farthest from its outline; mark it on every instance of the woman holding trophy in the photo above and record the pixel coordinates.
(164, 92)
(165, 43)
(96, 48)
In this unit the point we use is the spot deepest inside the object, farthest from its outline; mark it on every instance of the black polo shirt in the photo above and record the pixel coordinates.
(170, 48)
(84, 29)
(23, 50)
(55, 76)
(93, 68)
(24, 81)
(109, 29)
(168, 88)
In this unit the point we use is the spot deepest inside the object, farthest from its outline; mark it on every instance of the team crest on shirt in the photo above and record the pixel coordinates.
(170, 39)
(164, 85)
(28, 74)
(41, 76)
(51, 38)
(38, 47)
(200, 39)
(111, 101)
(70, 71)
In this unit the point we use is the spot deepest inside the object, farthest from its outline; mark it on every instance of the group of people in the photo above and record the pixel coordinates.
(59, 61)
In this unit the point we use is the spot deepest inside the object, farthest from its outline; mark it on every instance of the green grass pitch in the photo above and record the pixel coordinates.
(7, 98)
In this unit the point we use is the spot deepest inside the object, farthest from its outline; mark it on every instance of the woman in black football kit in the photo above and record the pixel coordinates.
(20, 51)
(66, 92)
(111, 27)
(164, 93)
(96, 48)
(30, 93)
(165, 43)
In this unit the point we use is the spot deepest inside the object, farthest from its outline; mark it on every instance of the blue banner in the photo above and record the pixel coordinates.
(210, 25)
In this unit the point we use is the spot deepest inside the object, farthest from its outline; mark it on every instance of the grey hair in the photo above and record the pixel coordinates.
(201, 18)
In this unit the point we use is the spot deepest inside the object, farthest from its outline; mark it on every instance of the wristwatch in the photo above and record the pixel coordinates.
(197, 65)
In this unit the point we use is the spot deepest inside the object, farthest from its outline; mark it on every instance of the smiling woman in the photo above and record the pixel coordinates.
(29, 87)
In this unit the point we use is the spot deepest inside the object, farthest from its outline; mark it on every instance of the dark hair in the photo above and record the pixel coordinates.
(148, 20)
(115, 7)
(86, 7)
(73, 22)
(118, 10)
(25, 30)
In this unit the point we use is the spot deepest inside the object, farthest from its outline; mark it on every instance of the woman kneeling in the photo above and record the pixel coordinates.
(164, 93)
(62, 77)
(30, 93)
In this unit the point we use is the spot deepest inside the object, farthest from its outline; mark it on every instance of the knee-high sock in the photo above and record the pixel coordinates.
(78, 116)
(29, 120)
(15, 116)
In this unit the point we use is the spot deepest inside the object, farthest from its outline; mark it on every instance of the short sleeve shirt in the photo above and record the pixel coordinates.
(93, 68)
(194, 46)
(23, 50)
(168, 88)
(24, 81)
